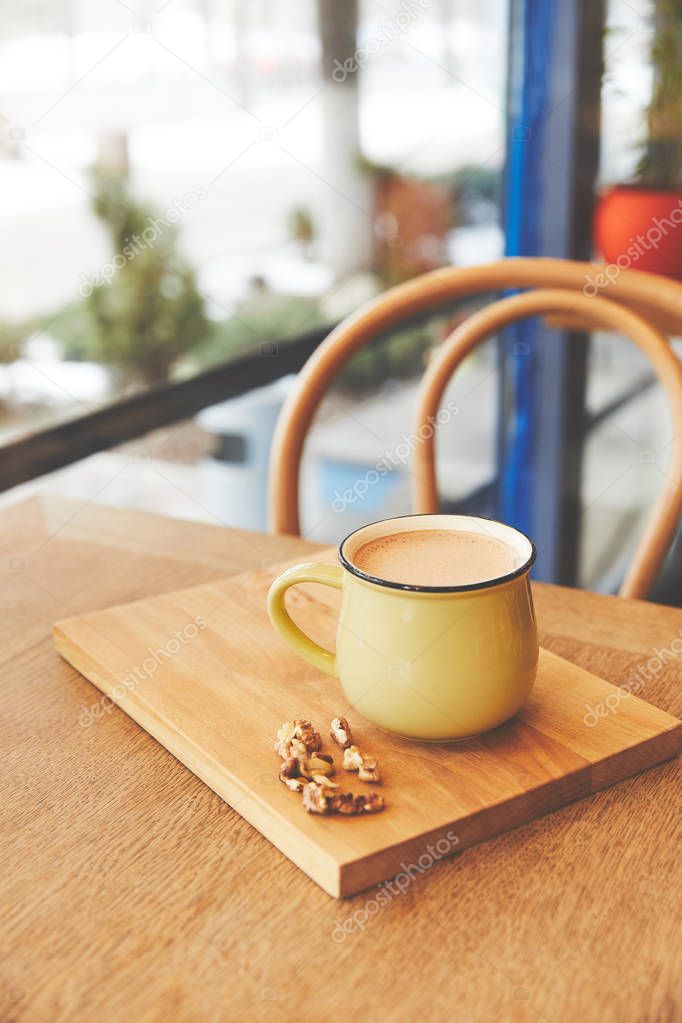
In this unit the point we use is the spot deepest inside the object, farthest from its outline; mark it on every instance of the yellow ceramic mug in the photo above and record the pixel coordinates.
(425, 662)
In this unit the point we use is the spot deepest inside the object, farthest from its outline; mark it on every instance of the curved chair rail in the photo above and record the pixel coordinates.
(600, 313)
(632, 287)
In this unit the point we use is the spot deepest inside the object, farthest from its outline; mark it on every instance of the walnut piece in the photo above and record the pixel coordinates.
(350, 805)
(343, 803)
(340, 732)
(295, 784)
(367, 767)
(316, 763)
(371, 803)
(291, 768)
(352, 759)
(290, 774)
(327, 783)
(297, 738)
(320, 799)
(315, 798)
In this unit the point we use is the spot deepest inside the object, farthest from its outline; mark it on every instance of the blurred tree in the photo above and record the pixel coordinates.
(74, 329)
(262, 320)
(400, 356)
(151, 313)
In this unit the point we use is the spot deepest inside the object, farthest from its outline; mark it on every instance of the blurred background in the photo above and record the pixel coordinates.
(194, 191)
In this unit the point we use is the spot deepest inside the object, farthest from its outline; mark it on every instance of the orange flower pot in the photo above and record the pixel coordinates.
(640, 228)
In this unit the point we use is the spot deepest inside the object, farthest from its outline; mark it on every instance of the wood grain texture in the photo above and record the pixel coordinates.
(151, 899)
(203, 671)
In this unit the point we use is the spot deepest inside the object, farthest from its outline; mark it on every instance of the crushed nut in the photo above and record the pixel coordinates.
(340, 732)
(291, 768)
(371, 803)
(290, 774)
(367, 767)
(321, 800)
(295, 784)
(315, 799)
(343, 803)
(352, 759)
(350, 805)
(295, 748)
(286, 732)
(309, 736)
(297, 738)
(316, 763)
(320, 779)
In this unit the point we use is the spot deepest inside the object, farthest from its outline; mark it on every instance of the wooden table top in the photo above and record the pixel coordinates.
(130, 891)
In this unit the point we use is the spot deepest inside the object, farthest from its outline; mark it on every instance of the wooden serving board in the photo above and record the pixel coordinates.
(203, 672)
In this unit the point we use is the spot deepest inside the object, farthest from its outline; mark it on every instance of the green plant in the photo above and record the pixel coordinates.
(151, 312)
(302, 226)
(73, 327)
(399, 356)
(13, 335)
(267, 318)
(661, 162)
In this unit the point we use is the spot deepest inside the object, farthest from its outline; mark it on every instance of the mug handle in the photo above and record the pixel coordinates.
(327, 575)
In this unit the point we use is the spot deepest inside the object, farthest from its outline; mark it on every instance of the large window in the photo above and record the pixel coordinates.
(188, 180)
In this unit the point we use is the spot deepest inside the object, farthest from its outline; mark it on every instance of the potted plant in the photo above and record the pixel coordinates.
(639, 224)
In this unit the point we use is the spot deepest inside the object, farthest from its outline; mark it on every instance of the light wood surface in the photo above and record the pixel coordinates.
(643, 292)
(598, 313)
(147, 898)
(203, 671)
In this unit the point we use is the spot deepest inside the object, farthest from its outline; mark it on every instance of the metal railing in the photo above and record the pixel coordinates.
(69, 441)
(66, 442)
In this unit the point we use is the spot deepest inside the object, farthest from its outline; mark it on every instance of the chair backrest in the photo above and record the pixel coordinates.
(599, 313)
(649, 292)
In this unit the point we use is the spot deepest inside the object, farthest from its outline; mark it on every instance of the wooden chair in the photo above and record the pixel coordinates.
(629, 292)
(599, 313)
